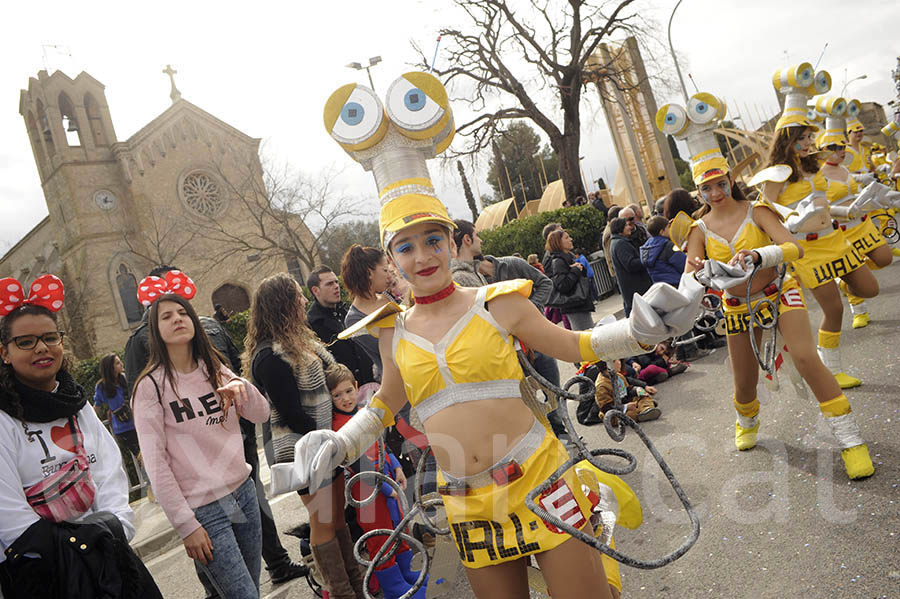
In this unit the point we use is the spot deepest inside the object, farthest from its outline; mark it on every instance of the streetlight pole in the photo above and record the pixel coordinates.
(672, 50)
(372, 62)
(843, 89)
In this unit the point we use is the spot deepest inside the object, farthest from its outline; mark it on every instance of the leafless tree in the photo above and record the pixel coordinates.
(80, 276)
(289, 215)
(161, 239)
(514, 53)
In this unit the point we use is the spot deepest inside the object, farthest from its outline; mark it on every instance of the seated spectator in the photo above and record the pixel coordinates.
(663, 262)
(640, 405)
(533, 261)
(656, 366)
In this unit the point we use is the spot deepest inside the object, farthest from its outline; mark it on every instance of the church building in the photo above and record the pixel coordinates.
(186, 190)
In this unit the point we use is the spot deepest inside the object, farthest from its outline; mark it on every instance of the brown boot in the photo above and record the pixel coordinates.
(330, 564)
(354, 573)
(642, 410)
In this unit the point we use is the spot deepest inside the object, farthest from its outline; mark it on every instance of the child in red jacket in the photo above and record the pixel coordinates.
(394, 575)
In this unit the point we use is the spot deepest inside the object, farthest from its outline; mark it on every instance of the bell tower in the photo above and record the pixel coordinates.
(71, 133)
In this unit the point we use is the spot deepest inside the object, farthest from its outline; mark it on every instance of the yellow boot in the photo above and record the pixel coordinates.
(895, 251)
(747, 425)
(857, 307)
(855, 453)
(830, 353)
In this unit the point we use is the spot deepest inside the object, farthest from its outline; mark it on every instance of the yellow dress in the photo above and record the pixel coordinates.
(862, 232)
(748, 236)
(475, 360)
(859, 162)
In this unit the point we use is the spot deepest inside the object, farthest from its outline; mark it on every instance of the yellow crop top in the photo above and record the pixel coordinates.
(475, 359)
(835, 189)
(859, 161)
(792, 193)
(748, 236)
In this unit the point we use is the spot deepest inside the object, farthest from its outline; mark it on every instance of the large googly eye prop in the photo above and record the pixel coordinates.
(821, 84)
(798, 76)
(354, 117)
(853, 109)
(671, 119)
(417, 104)
(831, 105)
(703, 108)
(443, 139)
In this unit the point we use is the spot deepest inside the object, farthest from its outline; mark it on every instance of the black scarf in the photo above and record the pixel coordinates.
(46, 406)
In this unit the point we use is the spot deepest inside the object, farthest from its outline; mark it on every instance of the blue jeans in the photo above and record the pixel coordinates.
(233, 525)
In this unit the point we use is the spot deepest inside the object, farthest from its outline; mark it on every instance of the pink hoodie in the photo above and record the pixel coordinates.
(192, 457)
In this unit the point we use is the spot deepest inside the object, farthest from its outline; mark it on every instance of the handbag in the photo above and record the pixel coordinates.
(122, 413)
(69, 492)
(579, 295)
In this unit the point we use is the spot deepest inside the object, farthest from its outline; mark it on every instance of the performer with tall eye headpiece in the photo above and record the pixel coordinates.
(452, 357)
(740, 247)
(792, 179)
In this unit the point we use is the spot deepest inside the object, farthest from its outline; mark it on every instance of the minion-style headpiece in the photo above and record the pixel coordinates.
(695, 126)
(834, 108)
(799, 83)
(853, 122)
(393, 141)
(892, 131)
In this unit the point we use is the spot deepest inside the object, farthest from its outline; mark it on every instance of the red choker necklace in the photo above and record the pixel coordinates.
(832, 163)
(436, 297)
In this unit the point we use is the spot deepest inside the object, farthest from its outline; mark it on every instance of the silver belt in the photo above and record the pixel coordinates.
(520, 452)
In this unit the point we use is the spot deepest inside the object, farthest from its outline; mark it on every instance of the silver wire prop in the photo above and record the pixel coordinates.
(766, 359)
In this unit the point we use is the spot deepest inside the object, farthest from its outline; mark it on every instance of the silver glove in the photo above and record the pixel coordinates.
(872, 197)
(864, 178)
(316, 455)
(722, 276)
(664, 311)
(805, 210)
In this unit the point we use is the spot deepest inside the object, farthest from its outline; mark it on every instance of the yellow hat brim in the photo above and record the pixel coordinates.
(411, 209)
(709, 169)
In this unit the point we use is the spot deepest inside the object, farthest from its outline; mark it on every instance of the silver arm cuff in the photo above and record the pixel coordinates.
(360, 433)
(769, 256)
(615, 341)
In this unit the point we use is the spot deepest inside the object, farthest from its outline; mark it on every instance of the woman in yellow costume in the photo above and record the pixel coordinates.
(729, 232)
(452, 356)
(791, 180)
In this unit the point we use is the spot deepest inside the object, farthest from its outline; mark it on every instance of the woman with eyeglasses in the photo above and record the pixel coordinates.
(65, 521)
(827, 253)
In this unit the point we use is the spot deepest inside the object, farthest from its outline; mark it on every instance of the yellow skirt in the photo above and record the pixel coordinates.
(491, 524)
(824, 259)
(737, 318)
(865, 237)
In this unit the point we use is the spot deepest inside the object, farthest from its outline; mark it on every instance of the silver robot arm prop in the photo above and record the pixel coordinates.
(864, 178)
(722, 276)
(873, 197)
(661, 312)
(806, 210)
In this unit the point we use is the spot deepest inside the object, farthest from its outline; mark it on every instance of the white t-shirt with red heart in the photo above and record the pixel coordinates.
(26, 459)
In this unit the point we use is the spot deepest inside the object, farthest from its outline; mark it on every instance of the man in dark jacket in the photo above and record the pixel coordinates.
(630, 273)
(137, 353)
(658, 255)
(325, 317)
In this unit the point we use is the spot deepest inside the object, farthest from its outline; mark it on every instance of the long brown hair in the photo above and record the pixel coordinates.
(782, 151)
(356, 269)
(202, 350)
(276, 315)
(109, 382)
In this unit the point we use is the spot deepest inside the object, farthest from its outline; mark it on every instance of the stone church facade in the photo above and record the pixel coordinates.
(180, 191)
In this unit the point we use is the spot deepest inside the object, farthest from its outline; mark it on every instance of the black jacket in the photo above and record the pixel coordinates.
(327, 323)
(565, 278)
(630, 272)
(77, 561)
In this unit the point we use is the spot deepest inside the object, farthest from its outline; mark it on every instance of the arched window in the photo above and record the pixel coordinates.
(34, 134)
(127, 286)
(95, 122)
(44, 126)
(69, 121)
(232, 298)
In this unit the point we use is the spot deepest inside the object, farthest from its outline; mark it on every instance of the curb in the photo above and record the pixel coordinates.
(157, 544)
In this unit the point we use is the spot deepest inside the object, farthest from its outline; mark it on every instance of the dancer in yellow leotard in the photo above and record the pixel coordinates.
(794, 182)
(729, 229)
(452, 356)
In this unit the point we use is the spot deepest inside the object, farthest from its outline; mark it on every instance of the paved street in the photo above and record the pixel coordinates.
(779, 521)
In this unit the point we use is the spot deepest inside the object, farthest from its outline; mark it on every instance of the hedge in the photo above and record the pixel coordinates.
(584, 223)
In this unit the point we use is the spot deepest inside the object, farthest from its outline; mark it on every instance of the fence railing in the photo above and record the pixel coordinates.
(606, 283)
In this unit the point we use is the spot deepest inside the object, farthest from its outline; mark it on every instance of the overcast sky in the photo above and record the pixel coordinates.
(267, 68)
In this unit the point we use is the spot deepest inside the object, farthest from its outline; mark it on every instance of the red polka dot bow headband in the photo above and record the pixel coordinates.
(151, 288)
(46, 291)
